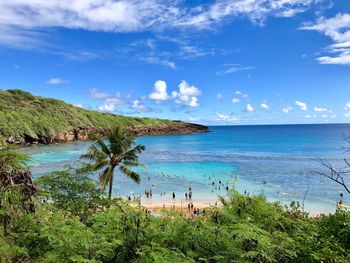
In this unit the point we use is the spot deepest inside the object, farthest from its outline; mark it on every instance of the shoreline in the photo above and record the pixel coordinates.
(159, 207)
(82, 134)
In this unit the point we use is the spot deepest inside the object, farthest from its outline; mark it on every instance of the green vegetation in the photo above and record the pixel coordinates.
(22, 113)
(118, 151)
(73, 222)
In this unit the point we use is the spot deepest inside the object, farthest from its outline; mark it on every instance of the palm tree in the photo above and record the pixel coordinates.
(118, 151)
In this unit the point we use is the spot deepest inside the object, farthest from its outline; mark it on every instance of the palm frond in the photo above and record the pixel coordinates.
(103, 146)
(94, 153)
(129, 173)
(105, 177)
(134, 164)
(101, 164)
(131, 155)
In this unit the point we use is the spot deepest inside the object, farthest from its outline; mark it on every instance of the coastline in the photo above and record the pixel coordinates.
(89, 133)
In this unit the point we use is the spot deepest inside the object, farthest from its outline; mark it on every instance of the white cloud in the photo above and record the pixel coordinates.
(220, 96)
(21, 20)
(57, 81)
(233, 68)
(302, 105)
(308, 116)
(264, 106)
(107, 107)
(249, 108)
(138, 105)
(347, 108)
(226, 118)
(342, 59)
(338, 29)
(320, 109)
(116, 100)
(160, 91)
(95, 94)
(110, 102)
(242, 95)
(187, 94)
(153, 59)
(81, 105)
(287, 109)
(236, 100)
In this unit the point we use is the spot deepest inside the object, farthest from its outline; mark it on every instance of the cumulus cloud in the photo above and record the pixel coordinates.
(187, 94)
(57, 81)
(95, 94)
(338, 29)
(302, 105)
(138, 105)
(347, 108)
(107, 107)
(22, 20)
(110, 102)
(308, 116)
(160, 91)
(320, 109)
(239, 95)
(236, 100)
(264, 106)
(249, 108)
(287, 109)
(226, 118)
(81, 105)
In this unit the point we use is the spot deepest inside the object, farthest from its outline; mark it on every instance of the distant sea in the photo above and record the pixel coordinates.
(273, 160)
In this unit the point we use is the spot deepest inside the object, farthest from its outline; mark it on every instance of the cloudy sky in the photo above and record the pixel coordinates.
(211, 62)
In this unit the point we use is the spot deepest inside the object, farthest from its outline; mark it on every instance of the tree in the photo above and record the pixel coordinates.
(119, 150)
(16, 186)
(338, 175)
(70, 191)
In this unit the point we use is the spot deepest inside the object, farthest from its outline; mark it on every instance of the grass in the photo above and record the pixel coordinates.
(22, 113)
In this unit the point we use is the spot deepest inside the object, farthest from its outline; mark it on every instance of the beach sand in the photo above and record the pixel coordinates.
(161, 208)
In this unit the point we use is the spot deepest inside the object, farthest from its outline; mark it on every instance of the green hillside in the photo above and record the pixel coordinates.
(22, 113)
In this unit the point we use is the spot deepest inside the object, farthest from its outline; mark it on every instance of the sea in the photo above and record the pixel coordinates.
(277, 161)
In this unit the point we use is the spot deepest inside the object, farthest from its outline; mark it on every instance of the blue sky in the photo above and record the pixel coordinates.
(211, 62)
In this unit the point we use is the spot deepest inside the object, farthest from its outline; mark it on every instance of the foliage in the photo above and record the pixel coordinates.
(68, 190)
(70, 224)
(118, 152)
(22, 113)
(16, 187)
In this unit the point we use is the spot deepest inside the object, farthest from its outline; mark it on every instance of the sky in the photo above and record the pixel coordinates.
(218, 62)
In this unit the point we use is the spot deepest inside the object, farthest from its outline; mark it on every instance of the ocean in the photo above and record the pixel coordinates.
(273, 160)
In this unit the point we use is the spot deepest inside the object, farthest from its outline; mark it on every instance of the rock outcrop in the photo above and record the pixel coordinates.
(90, 133)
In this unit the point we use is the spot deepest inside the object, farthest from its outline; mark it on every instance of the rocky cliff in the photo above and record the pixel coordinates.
(89, 133)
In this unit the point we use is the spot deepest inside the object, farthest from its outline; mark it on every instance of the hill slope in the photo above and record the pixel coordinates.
(25, 118)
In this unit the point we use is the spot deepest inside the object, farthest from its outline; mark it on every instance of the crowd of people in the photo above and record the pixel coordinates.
(215, 183)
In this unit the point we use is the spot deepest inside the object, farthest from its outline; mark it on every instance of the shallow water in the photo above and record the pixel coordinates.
(273, 160)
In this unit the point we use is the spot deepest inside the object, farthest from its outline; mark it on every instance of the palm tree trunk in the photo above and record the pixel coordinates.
(110, 187)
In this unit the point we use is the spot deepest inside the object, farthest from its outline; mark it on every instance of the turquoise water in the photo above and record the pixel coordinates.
(273, 160)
